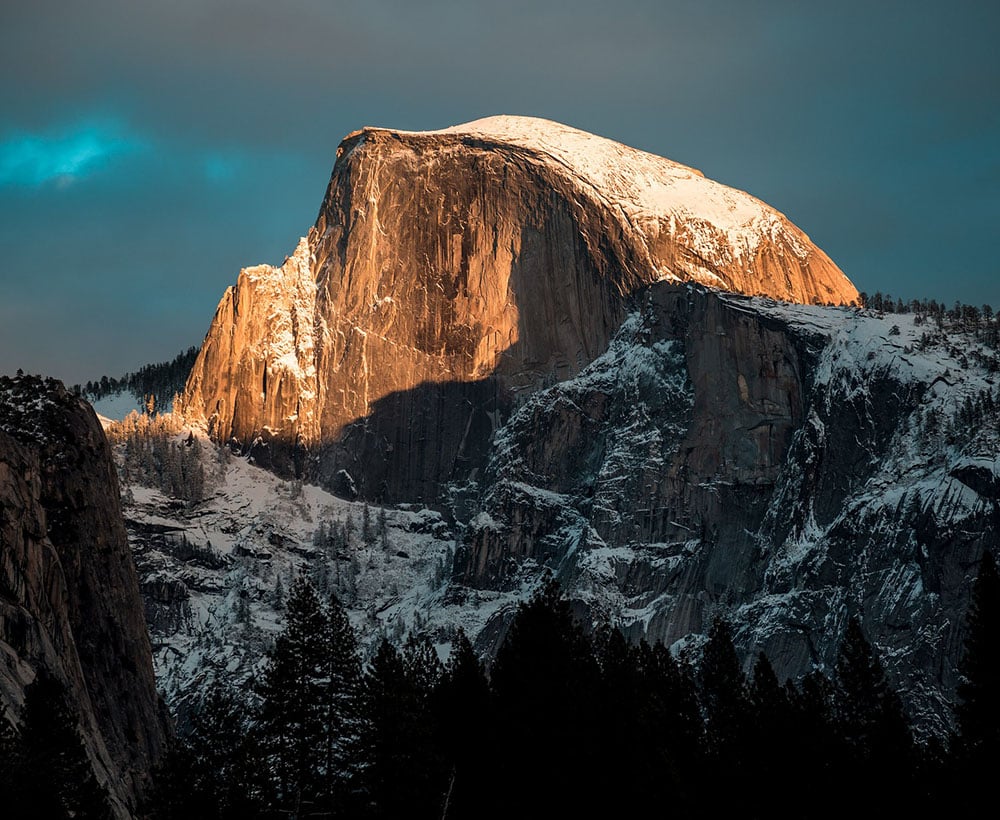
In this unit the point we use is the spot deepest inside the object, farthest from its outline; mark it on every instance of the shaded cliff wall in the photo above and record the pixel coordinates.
(687, 447)
(719, 460)
(70, 594)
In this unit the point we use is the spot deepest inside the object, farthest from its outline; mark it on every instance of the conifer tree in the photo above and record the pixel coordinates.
(367, 533)
(673, 715)
(423, 667)
(544, 678)
(870, 720)
(291, 722)
(227, 780)
(464, 713)
(978, 710)
(627, 749)
(383, 529)
(724, 698)
(53, 775)
(174, 794)
(771, 729)
(342, 715)
(395, 748)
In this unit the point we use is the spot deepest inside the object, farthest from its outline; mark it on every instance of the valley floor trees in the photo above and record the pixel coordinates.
(570, 724)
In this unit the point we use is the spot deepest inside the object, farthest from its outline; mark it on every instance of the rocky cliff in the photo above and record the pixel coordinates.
(783, 466)
(450, 273)
(69, 597)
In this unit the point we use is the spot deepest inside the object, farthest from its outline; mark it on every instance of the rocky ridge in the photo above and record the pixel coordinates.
(782, 466)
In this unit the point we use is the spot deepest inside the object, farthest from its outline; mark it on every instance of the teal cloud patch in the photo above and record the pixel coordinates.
(62, 156)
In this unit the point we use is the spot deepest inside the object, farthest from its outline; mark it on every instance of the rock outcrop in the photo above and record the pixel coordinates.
(69, 597)
(450, 273)
(783, 466)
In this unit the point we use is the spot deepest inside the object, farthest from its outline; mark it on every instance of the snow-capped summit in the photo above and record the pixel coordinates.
(722, 228)
(463, 268)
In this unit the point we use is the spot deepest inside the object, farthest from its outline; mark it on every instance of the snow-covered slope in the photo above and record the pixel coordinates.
(659, 199)
(214, 574)
(650, 189)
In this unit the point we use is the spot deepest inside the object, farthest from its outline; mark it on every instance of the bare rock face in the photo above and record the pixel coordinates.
(449, 273)
(69, 597)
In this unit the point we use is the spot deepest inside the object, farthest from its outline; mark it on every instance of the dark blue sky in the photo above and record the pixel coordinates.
(148, 150)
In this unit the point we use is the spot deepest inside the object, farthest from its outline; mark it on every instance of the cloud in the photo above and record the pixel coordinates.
(63, 155)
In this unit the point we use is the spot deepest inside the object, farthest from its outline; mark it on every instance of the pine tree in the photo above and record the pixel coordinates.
(174, 794)
(544, 679)
(464, 712)
(395, 746)
(342, 707)
(226, 776)
(383, 529)
(869, 718)
(54, 776)
(772, 730)
(423, 667)
(672, 714)
(978, 710)
(724, 698)
(630, 752)
(367, 533)
(291, 722)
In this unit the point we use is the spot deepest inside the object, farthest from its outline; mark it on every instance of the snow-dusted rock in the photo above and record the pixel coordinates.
(449, 272)
(785, 466)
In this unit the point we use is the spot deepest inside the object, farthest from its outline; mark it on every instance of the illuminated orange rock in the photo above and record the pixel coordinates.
(499, 255)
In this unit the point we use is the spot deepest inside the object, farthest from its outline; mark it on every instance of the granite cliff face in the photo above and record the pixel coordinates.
(69, 597)
(450, 273)
(783, 466)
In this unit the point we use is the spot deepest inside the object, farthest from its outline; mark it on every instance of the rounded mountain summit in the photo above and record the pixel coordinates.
(506, 250)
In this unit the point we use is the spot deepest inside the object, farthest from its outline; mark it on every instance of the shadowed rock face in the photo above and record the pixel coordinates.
(69, 597)
(781, 466)
(502, 254)
(687, 448)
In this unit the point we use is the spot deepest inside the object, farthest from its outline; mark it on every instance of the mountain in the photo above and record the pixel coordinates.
(540, 350)
(69, 595)
(450, 273)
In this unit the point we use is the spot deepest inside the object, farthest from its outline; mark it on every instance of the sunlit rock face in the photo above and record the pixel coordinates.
(69, 597)
(450, 273)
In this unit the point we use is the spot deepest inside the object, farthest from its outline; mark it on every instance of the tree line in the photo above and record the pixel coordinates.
(160, 381)
(567, 722)
(154, 456)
